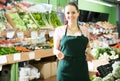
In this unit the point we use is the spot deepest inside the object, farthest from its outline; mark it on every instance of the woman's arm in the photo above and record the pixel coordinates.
(56, 46)
(89, 56)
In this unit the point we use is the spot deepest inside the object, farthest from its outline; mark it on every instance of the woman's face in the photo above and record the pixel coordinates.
(71, 14)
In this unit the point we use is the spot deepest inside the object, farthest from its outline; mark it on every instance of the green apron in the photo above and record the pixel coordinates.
(74, 65)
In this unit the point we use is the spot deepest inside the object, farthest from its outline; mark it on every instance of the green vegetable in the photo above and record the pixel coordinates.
(17, 72)
(38, 18)
(107, 52)
(7, 50)
(18, 23)
(97, 79)
(55, 21)
(30, 24)
(92, 77)
(46, 18)
(13, 73)
(109, 77)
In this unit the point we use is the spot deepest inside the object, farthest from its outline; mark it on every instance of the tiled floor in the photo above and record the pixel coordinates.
(53, 78)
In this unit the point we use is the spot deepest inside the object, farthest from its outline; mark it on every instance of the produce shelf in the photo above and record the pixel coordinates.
(25, 56)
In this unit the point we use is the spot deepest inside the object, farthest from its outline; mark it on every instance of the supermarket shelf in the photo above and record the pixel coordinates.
(24, 56)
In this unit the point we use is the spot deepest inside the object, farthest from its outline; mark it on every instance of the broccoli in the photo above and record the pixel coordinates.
(109, 77)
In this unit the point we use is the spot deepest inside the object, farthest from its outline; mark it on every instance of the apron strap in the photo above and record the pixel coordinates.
(66, 30)
(80, 30)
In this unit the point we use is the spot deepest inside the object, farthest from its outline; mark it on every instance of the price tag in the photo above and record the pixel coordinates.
(42, 37)
(31, 55)
(3, 59)
(42, 34)
(34, 34)
(17, 56)
(20, 35)
(51, 33)
(10, 34)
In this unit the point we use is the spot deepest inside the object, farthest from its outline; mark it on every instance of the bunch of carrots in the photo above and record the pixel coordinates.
(22, 49)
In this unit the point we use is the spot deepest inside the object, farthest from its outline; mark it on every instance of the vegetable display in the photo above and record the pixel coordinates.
(7, 50)
(38, 18)
(30, 24)
(113, 76)
(54, 19)
(17, 22)
(3, 22)
(109, 77)
(47, 19)
(107, 52)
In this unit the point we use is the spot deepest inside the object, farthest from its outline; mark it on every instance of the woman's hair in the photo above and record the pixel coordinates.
(73, 4)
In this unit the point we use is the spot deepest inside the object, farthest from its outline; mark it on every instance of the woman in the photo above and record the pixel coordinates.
(70, 43)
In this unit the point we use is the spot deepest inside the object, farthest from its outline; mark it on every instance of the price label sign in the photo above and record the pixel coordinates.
(31, 55)
(42, 34)
(51, 33)
(17, 56)
(3, 59)
(20, 35)
(10, 34)
(34, 34)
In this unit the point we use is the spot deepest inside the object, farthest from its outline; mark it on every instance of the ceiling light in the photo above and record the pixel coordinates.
(100, 2)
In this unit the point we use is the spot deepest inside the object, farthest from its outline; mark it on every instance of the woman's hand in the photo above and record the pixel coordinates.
(89, 56)
(60, 55)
